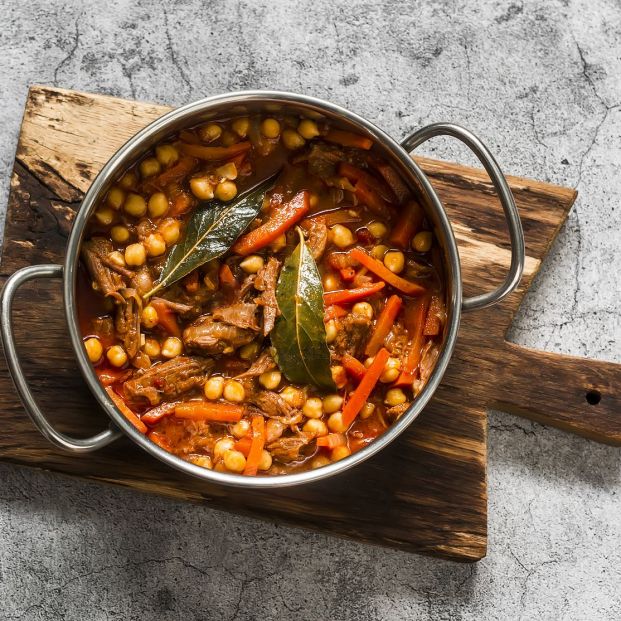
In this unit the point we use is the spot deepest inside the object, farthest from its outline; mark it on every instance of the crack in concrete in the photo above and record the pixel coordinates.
(511, 427)
(171, 50)
(72, 51)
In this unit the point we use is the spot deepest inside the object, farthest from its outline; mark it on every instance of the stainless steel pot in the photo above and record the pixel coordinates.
(232, 105)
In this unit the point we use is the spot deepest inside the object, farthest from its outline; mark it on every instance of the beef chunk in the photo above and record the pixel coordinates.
(215, 337)
(266, 283)
(274, 406)
(317, 233)
(127, 321)
(263, 363)
(94, 254)
(242, 315)
(290, 448)
(168, 379)
(352, 334)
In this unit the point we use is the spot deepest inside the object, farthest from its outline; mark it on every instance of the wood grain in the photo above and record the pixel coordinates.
(425, 493)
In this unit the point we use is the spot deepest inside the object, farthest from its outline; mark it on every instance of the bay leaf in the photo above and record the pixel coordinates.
(299, 336)
(211, 230)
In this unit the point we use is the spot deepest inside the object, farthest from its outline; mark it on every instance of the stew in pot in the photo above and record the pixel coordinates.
(261, 295)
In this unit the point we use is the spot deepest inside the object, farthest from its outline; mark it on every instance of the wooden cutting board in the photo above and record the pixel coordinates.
(426, 492)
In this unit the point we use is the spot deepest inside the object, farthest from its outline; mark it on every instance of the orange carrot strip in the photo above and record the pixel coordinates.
(243, 445)
(348, 139)
(364, 389)
(347, 274)
(409, 223)
(107, 377)
(122, 407)
(256, 448)
(345, 296)
(214, 153)
(281, 220)
(371, 198)
(175, 173)
(355, 174)
(156, 414)
(166, 317)
(353, 366)
(414, 319)
(190, 282)
(433, 322)
(332, 440)
(226, 276)
(334, 312)
(206, 410)
(393, 179)
(338, 216)
(160, 439)
(180, 199)
(379, 269)
(384, 323)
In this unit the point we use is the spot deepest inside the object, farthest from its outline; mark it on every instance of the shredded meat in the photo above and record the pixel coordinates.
(94, 251)
(263, 363)
(127, 321)
(317, 236)
(104, 327)
(214, 337)
(247, 285)
(274, 406)
(288, 448)
(266, 283)
(352, 334)
(242, 315)
(168, 379)
(396, 411)
(178, 307)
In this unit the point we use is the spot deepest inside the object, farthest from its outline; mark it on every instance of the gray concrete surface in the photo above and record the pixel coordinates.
(540, 82)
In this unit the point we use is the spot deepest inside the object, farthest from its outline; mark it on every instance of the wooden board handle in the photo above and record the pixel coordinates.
(576, 394)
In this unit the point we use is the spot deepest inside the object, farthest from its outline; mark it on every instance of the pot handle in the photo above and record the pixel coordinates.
(501, 186)
(75, 445)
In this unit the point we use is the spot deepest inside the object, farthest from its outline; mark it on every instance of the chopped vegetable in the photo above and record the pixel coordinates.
(124, 409)
(332, 440)
(379, 269)
(435, 316)
(383, 325)
(243, 445)
(348, 139)
(392, 178)
(214, 153)
(166, 317)
(347, 296)
(206, 410)
(364, 389)
(227, 278)
(333, 312)
(353, 366)
(414, 318)
(355, 174)
(256, 447)
(371, 198)
(408, 224)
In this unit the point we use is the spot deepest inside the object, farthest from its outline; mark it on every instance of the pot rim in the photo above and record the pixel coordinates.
(128, 153)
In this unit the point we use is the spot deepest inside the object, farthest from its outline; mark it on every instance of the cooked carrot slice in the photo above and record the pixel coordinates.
(124, 409)
(156, 414)
(256, 447)
(348, 139)
(334, 312)
(166, 317)
(384, 323)
(353, 366)
(393, 179)
(332, 440)
(414, 319)
(206, 410)
(371, 198)
(243, 445)
(409, 223)
(346, 296)
(214, 153)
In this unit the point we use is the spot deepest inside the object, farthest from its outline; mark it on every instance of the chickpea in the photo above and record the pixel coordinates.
(135, 255)
(172, 347)
(364, 309)
(135, 205)
(119, 234)
(227, 171)
(214, 387)
(128, 180)
(332, 403)
(234, 461)
(116, 356)
(222, 446)
(170, 230)
(338, 375)
(225, 191)
(379, 251)
(249, 351)
(339, 452)
(252, 264)
(104, 215)
(378, 229)
(117, 258)
(336, 424)
(315, 427)
(158, 205)
(94, 349)
(115, 198)
(331, 331)
(270, 379)
(279, 243)
(152, 348)
(149, 167)
(395, 396)
(292, 140)
(241, 428)
(204, 461)
(319, 462)
(149, 318)
(313, 408)
(265, 463)
(210, 132)
(166, 154)
(201, 188)
(155, 245)
(234, 391)
(330, 282)
(313, 201)
(142, 281)
(391, 371)
(241, 126)
(229, 138)
(293, 396)
(394, 260)
(367, 409)
(308, 129)
(270, 128)
(422, 241)
(341, 236)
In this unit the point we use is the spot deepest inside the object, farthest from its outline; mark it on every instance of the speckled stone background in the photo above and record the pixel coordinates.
(540, 81)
